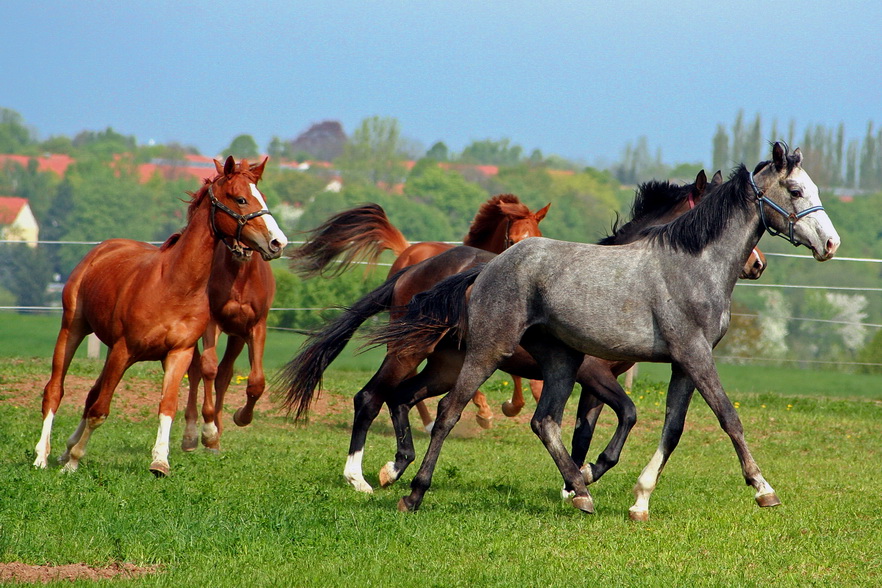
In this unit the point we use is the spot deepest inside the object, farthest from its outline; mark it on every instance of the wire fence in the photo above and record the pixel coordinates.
(741, 283)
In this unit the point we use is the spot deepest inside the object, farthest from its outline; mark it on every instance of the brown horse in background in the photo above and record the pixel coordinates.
(241, 289)
(364, 232)
(150, 303)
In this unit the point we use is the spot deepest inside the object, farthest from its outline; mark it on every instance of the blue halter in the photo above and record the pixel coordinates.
(762, 202)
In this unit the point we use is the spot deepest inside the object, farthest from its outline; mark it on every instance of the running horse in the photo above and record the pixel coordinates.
(674, 287)
(364, 232)
(149, 303)
(646, 205)
(301, 378)
(241, 289)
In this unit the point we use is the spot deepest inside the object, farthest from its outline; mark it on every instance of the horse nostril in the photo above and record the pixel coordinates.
(275, 245)
(832, 245)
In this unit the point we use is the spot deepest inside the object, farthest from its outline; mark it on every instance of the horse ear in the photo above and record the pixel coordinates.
(257, 168)
(717, 179)
(218, 166)
(540, 214)
(779, 156)
(229, 165)
(798, 155)
(700, 183)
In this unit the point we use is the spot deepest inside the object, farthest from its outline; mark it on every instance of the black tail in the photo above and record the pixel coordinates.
(302, 376)
(430, 316)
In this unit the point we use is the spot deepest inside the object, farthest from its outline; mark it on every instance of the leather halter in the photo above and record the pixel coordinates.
(242, 219)
(762, 202)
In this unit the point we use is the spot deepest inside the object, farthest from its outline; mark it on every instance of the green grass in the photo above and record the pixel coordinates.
(272, 509)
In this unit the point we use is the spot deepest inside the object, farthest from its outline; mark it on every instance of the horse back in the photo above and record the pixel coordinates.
(418, 252)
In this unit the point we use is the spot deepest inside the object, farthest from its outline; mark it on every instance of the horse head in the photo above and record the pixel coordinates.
(503, 221)
(789, 205)
(522, 223)
(239, 215)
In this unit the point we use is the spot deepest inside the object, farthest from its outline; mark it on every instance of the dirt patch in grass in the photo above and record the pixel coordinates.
(31, 574)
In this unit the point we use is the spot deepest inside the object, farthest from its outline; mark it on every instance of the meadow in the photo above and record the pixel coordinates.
(273, 509)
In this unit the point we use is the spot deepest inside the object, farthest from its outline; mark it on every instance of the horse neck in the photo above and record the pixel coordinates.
(190, 260)
(495, 242)
(727, 254)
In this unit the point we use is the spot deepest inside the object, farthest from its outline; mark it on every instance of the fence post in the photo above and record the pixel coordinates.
(93, 346)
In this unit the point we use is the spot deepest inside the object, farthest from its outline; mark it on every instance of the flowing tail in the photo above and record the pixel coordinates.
(301, 377)
(363, 232)
(430, 316)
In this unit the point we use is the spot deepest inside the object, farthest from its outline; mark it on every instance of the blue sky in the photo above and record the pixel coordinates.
(579, 79)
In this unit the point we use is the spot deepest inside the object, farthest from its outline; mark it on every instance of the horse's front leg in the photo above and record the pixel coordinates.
(256, 378)
(208, 365)
(707, 380)
(484, 416)
(512, 407)
(175, 365)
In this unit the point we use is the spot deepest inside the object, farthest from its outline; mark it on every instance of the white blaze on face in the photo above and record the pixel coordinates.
(801, 181)
(271, 225)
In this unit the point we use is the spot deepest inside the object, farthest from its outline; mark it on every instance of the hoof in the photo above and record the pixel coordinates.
(159, 469)
(484, 422)
(641, 516)
(388, 475)
(510, 410)
(584, 503)
(189, 443)
(240, 420)
(405, 506)
(767, 500)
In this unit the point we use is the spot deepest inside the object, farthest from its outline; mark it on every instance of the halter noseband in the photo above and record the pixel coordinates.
(762, 201)
(242, 219)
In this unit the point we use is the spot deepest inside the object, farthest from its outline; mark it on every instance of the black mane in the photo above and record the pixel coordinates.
(693, 231)
(654, 200)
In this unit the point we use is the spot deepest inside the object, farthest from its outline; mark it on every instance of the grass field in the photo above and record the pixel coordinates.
(273, 510)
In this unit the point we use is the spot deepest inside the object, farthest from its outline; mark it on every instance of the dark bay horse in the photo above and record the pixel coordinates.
(365, 232)
(241, 289)
(672, 290)
(302, 376)
(150, 303)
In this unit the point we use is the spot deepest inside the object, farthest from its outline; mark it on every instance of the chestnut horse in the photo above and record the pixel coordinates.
(365, 232)
(241, 289)
(150, 303)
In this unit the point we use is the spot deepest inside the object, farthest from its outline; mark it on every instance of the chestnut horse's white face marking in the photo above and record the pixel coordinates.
(271, 225)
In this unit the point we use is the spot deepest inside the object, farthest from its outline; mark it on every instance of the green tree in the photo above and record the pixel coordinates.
(25, 271)
(103, 145)
(722, 159)
(374, 154)
(446, 191)
(488, 152)
(438, 152)
(15, 137)
(243, 146)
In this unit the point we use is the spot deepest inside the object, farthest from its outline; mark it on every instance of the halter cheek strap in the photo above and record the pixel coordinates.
(762, 202)
(242, 219)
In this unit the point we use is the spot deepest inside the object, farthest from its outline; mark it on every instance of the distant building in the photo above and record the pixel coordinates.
(17, 222)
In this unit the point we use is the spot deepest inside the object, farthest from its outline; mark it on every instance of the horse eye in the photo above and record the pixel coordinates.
(795, 193)
(241, 201)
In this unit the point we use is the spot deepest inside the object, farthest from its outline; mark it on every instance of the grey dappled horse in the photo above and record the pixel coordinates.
(664, 298)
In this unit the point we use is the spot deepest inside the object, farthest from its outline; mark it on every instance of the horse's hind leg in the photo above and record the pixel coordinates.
(367, 404)
(71, 334)
(190, 440)
(256, 377)
(437, 378)
(484, 416)
(512, 407)
(97, 406)
(559, 366)
(601, 385)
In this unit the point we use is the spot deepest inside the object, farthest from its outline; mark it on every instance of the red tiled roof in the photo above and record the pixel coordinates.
(10, 206)
(54, 162)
